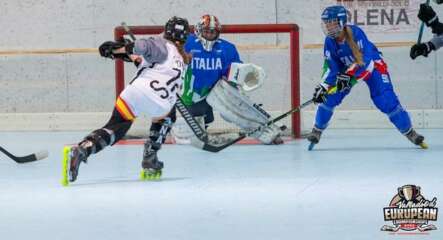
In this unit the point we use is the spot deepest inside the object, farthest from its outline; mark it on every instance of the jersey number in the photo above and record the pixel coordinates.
(170, 84)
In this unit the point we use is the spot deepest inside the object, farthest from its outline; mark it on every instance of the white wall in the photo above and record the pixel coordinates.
(84, 82)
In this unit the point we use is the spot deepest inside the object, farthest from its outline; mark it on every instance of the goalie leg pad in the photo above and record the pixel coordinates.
(241, 111)
(235, 107)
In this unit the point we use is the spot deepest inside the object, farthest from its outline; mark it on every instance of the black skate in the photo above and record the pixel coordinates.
(314, 138)
(151, 166)
(416, 138)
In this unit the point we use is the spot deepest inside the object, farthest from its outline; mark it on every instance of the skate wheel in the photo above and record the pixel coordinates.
(147, 175)
(154, 175)
(142, 175)
(424, 145)
(64, 181)
(311, 146)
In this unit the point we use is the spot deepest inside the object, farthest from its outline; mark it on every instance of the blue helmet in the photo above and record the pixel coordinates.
(333, 14)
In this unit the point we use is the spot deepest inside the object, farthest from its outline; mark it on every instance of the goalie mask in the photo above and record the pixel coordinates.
(208, 30)
(334, 20)
(177, 29)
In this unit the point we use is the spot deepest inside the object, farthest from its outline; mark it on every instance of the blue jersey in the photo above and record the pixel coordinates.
(207, 67)
(339, 57)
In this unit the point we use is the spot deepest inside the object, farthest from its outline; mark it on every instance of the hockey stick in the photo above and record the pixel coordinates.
(422, 27)
(212, 148)
(28, 158)
(128, 31)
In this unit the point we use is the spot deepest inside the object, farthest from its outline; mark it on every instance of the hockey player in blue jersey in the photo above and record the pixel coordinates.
(216, 64)
(351, 57)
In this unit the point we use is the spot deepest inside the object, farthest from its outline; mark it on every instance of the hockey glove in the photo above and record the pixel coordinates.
(343, 82)
(107, 49)
(320, 93)
(428, 16)
(422, 49)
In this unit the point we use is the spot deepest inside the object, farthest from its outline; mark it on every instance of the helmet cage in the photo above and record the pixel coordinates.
(332, 28)
(208, 23)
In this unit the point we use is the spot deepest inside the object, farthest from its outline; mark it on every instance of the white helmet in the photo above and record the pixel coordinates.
(208, 30)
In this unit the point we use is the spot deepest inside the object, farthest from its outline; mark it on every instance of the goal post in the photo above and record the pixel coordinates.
(294, 58)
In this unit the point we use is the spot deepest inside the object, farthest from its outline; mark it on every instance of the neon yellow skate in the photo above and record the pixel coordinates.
(72, 157)
(65, 166)
(150, 174)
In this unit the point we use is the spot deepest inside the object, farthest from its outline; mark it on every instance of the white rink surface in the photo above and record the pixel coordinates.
(337, 191)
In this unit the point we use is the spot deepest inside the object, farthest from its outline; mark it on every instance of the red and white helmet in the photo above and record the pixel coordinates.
(208, 30)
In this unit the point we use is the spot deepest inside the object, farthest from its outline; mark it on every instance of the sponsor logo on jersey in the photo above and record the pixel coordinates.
(206, 63)
(410, 211)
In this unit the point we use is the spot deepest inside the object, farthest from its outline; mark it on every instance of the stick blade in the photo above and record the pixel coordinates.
(32, 157)
(41, 155)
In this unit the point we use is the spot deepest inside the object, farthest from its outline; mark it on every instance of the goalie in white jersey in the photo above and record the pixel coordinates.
(151, 92)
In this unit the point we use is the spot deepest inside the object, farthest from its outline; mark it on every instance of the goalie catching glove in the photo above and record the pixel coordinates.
(113, 50)
(246, 75)
(238, 109)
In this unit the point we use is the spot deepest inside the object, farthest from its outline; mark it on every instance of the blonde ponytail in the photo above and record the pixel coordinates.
(354, 47)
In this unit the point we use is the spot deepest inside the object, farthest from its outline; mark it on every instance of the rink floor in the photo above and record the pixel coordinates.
(337, 191)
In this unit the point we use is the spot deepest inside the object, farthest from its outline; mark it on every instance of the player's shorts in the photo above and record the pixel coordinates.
(139, 98)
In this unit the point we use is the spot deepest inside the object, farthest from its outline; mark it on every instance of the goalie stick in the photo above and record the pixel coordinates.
(25, 159)
(212, 148)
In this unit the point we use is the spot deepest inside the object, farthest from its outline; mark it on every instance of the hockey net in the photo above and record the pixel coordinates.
(275, 47)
